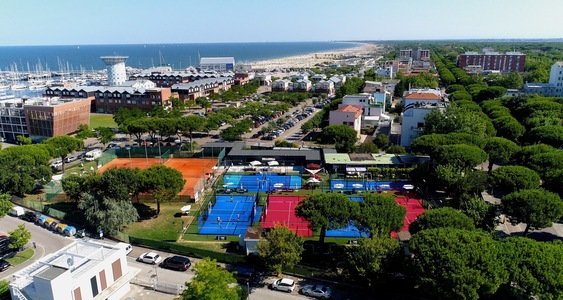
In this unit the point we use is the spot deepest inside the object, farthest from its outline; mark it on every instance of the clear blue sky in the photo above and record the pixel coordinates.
(79, 22)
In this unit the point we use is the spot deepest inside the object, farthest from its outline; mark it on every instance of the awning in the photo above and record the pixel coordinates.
(255, 163)
(273, 163)
(356, 169)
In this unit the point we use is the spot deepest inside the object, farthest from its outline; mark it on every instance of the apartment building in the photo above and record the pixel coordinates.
(493, 61)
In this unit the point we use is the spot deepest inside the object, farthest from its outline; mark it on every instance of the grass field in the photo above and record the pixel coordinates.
(164, 227)
(21, 257)
(102, 120)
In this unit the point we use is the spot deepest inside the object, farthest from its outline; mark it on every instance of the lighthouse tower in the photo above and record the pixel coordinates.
(116, 69)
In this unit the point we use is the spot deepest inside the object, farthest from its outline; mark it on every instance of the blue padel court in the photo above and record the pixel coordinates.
(347, 185)
(229, 215)
(261, 182)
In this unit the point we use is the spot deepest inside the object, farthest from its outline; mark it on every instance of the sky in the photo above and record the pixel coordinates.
(85, 22)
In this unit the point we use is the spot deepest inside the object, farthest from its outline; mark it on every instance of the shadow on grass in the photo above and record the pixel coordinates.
(72, 213)
(145, 212)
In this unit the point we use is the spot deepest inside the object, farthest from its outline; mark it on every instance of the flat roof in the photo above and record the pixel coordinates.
(51, 273)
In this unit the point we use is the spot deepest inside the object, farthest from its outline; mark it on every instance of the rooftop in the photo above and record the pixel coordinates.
(423, 96)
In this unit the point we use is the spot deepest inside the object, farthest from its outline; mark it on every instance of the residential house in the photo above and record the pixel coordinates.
(346, 114)
(302, 85)
(324, 86)
(281, 85)
(339, 80)
(424, 96)
(413, 119)
(264, 79)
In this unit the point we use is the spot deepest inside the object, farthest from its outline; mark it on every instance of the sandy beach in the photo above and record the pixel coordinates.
(311, 59)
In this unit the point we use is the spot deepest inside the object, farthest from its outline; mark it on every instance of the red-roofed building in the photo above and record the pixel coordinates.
(349, 115)
(422, 96)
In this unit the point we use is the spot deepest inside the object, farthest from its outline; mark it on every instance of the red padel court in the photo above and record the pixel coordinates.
(280, 210)
(414, 209)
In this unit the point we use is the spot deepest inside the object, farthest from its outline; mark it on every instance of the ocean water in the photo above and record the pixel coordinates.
(87, 57)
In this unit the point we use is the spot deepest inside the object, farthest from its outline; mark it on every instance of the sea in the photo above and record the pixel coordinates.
(178, 56)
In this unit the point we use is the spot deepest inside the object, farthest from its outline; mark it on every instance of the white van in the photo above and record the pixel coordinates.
(17, 211)
(128, 248)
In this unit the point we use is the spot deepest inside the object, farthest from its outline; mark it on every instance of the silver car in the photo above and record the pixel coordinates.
(284, 284)
(317, 291)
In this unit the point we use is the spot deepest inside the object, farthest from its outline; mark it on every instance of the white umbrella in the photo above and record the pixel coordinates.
(357, 185)
(273, 163)
(255, 163)
(278, 185)
(408, 187)
(313, 172)
(339, 185)
(313, 180)
(186, 208)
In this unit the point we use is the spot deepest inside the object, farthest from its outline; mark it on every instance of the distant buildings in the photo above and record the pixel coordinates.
(220, 64)
(83, 270)
(489, 60)
(419, 54)
(203, 87)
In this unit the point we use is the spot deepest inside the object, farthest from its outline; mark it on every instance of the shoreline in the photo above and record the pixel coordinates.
(311, 59)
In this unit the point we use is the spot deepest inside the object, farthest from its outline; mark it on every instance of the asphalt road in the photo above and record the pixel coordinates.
(45, 240)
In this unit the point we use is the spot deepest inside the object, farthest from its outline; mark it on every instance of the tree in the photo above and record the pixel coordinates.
(104, 134)
(512, 81)
(379, 215)
(381, 141)
(508, 127)
(138, 127)
(535, 268)
(483, 214)
(366, 147)
(190, 124)
(342, 136)
(371, 258)
(457, 264)
(456, 119)
(105, 213)
(22, 167)
(73, 186)
(445, 217)
(550, 135)
(514, 178)
(125, 114)
(396, 149)
(19, 237)
(459, 181)
(281, 248)
(325, 211)
(462, 156)
(537, 208)
(63, 145)
(84, 132)
(525, 153)
(5, 204)
(23, 140)
(211, 282)
(163, 182)
(500, 150)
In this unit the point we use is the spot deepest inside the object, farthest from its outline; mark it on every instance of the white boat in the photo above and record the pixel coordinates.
(17, 87)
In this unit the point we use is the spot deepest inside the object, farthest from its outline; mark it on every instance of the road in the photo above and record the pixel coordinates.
(45, 240)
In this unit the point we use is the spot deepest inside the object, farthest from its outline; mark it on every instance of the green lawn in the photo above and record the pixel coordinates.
(164, 227)
(21, 257)
(102, 120)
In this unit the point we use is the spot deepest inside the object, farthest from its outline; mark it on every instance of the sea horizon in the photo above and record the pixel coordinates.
(179, 56)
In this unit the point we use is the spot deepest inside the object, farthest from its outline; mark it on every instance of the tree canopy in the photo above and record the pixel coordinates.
(342, 136)
(371, 258)
(445, 217)
(22, 167)
(163, 182)
(456, 119)
(500, 150)
(281, 248)
(537, 208)
(19, 237)
(514, 178)
(5, 204)
(457, 264)
(461, 155)
(379, 215)
(211, 282)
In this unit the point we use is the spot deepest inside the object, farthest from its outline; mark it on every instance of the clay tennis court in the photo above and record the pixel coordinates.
(194, 170)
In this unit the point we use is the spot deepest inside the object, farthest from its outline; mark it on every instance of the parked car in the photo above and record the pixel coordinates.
(149, 258)
(4, 265)
(317, 291)
(112, 145)
(284, 284)
(244, 274)
(176, 262)
(70, 159)
(57, 164)
(30, 216)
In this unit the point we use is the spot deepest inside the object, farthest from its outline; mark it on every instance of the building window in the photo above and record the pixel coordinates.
(94, 284)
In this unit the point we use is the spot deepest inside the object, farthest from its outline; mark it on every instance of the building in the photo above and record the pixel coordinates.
(413, 119)
(556, 78)
(372, 105)
(220, 64)
(302, 85)
(163, 79)
(493, 61)
(242, 78)
(109, 99)
(263, 78)
(339, 80)
(83, 270)
(384, 72)
(42, 118)
(202, 87)
(405, 53)
(281, 85)
(77, 92)
(324, 87)
(346, 114)
(423, 96)
(116, 69)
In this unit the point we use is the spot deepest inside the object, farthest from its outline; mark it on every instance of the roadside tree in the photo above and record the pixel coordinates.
(462, 156)
(73, 186)
(22, 167)
(514, 178)
(19, 237)
(483, 214)
(537, 208)
(371, 258)
(84, 132)
(281, 248)
(104, 134)
(325, 211)
(63, 145)
(550, 135)
(445, 217)
(381, 141)
(190, 124)
(5, 204)
(211, 282)
(107, 214)
(500, 150)
(457, 264)
(342, 136)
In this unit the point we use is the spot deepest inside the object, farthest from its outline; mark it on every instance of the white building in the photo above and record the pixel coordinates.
(556, 78)
(384, 72)
(220, 64)
(423, 96)
(347, 115)
(82, 270)
(324, 86)
(413, 120)
(281, 85)
(116, 69)
(373, 107)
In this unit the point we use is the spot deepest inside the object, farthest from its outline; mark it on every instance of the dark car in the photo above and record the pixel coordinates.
(179, 263)
(244, 274)
(4, 245)
(4, 265)
(30, 216)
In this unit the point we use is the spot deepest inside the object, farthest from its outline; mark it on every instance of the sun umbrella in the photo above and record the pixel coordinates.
(313, 180)
(255, 163)
(313, 166)
(273, 163)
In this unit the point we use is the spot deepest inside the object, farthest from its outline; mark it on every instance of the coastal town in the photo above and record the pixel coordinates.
(410, 170)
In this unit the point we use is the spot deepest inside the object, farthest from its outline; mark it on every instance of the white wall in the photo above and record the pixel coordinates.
(411, 120)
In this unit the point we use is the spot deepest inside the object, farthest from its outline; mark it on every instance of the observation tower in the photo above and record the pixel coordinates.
(116, 69)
